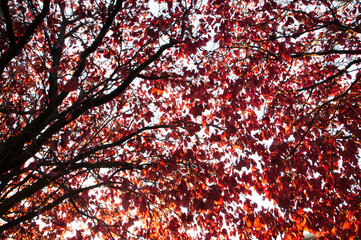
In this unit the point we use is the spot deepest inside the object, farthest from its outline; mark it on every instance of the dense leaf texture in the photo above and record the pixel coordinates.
(159, 119)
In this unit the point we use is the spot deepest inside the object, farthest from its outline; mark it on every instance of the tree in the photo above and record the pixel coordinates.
(156, 120)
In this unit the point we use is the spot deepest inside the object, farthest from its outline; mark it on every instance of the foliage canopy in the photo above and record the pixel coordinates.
(160, 119)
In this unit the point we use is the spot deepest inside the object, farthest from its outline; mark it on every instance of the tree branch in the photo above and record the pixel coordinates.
(32, 189)
(11, 153)
(48, 207)
(116, 143)
(339, 73)
(15, 49)
(9, 23)
(322, 53)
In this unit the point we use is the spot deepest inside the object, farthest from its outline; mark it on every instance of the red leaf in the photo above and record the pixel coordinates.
(72, 85)
(215, 194)
(54, 145)
(197, 110)
(183, 186)
(65, 138)
(143, 204)
(54, 69)
(55, 173)
(32, 166)
(126, 201)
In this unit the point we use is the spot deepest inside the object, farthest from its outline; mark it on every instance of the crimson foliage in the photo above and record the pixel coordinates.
(160, 119)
